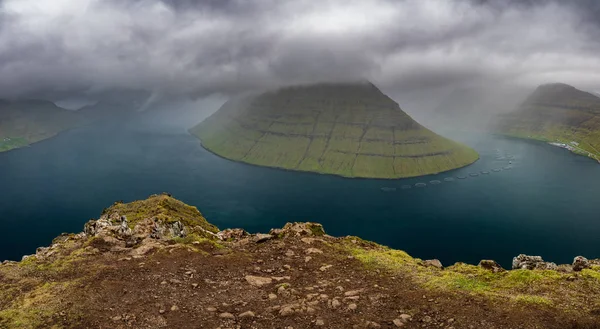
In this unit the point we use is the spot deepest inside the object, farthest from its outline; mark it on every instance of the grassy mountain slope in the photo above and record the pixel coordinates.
(351, 130)
(26, 122)
(558, 113)
(158, 263)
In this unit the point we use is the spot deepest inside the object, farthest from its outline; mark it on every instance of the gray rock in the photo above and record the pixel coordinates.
(580, 263)
(434, 263)
(532, 262)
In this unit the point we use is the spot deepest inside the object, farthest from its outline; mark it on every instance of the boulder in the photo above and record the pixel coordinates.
(433, 263)
(580, 263)
(491, 265)
(532, 263)
(258, 281)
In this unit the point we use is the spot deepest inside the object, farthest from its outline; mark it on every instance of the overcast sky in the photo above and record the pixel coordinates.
(83, 47)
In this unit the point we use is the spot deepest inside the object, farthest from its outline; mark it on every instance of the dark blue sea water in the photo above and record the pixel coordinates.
(534, 199)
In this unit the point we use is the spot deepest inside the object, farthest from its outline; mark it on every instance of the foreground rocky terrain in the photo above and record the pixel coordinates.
(158, 263)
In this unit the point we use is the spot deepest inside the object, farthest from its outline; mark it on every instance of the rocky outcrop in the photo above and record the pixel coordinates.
(581, 263)
(299, 229)
(491, 265)
(532, 263)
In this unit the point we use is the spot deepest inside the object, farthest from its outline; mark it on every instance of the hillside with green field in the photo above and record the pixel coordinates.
(26, 122)
(351, 130)
(558, 113)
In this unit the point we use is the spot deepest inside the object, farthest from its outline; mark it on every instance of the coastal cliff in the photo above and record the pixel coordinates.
(158, 263)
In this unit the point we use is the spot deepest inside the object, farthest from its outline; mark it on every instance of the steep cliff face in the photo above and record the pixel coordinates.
(352, 130)
(558, 113)
(157, 263)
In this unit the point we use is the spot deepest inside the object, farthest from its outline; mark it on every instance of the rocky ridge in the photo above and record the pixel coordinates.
(157, 263)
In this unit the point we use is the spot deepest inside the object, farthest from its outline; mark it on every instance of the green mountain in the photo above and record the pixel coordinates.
(26, 122)
(558, 113)
(349, 129)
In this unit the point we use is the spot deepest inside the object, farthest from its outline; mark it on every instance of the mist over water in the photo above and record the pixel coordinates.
(527, 197)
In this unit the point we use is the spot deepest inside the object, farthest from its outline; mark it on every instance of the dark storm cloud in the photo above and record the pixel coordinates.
(229, 46)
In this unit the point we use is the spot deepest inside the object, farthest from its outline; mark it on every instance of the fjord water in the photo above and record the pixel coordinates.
(544, 202)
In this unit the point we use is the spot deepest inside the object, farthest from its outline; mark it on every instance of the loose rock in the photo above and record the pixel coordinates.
(491, 265)
(247, 314)
(434, 263)
(226, 316)
(258, 281)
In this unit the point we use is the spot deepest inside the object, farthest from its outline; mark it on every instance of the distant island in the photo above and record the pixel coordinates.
(25, 122)
(158, 263)
(559, 114)
(345, 129)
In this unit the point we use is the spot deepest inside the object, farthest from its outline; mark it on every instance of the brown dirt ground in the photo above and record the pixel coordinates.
(179, 288)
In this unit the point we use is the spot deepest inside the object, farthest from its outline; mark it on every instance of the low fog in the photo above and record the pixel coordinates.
(174, 53)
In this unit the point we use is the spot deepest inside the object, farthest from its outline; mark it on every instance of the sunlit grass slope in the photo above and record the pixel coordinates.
(558, 113)
(351, 130)
(26, 122)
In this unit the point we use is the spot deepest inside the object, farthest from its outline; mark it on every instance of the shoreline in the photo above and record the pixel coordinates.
(330, 174)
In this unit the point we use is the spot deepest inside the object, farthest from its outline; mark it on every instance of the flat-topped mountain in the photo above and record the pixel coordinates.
(29, 121)
(346, 129)
(158, 263)
(558, 113)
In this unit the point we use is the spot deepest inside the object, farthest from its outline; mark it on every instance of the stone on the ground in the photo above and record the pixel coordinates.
(258, 281)
(405, 317)
(351, 293)
(335, 303)
(491, 265)
(434, 263)
(580, 263)
(398, 323)
(226, 315)
(313, 251)
(260, 237)
(247, 314)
